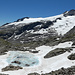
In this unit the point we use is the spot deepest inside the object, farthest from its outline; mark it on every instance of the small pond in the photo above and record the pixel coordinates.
(23, 59)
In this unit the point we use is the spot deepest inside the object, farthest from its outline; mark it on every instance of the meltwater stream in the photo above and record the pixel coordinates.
(23, 59)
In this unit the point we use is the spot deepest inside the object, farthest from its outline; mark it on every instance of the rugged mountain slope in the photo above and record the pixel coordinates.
(37, 43)
(26, 30)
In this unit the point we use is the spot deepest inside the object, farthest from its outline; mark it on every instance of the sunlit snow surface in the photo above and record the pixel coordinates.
(61, 26)
(24, 59)
(42, 65)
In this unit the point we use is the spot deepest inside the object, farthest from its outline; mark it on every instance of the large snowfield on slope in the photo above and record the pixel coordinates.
(45, 65)
(64, 25)
(61, 26)
(31, 20)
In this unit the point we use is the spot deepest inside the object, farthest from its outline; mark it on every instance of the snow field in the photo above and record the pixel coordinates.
(45, 65)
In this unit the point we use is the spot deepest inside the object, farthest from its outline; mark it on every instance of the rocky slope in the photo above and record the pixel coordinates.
(49, 39)
(34, 29)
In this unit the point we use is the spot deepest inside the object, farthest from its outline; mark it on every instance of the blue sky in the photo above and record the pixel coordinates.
(11, 10)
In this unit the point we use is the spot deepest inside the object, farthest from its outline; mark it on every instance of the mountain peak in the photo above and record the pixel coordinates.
(69, 13)
(21, 19)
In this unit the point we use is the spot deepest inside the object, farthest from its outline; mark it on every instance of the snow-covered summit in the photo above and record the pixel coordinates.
(28, 20)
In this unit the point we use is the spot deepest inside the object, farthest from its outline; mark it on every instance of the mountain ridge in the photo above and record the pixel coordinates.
(35, 29)
(39, 46)
(66, 13)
